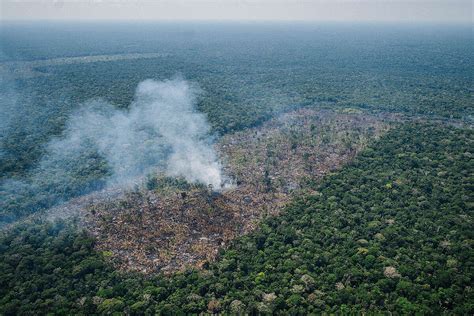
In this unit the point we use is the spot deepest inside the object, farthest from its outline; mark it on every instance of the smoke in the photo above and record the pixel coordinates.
(161, 130)
(101, 145)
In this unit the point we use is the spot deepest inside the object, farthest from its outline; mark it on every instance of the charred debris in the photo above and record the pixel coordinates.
(171, 224)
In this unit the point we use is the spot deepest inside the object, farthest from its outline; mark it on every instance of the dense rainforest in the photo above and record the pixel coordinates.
(390, 231)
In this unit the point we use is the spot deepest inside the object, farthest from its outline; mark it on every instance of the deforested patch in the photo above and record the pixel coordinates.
(173, 224)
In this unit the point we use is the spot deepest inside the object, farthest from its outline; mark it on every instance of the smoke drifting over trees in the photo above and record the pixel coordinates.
(161, 131)
(161, 128)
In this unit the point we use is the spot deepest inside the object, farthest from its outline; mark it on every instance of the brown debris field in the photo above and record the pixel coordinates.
(168, 229)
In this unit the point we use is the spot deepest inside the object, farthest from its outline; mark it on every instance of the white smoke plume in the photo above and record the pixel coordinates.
(161, 129)
(160, 132)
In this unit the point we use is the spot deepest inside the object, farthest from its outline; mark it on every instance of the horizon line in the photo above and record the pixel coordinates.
(283, 21)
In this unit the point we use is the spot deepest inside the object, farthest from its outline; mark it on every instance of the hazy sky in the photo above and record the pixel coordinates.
(304, 10)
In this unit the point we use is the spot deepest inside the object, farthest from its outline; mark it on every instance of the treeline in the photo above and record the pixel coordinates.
(392, 231)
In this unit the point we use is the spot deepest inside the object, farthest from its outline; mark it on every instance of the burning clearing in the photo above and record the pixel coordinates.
(172, 224)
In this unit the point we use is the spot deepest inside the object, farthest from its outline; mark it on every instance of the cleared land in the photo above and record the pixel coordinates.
(173, 225)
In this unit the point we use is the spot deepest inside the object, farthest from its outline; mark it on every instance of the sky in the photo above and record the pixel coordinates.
(455, 11)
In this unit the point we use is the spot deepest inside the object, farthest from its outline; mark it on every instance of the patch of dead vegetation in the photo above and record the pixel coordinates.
(305, 144)
(163, 230)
